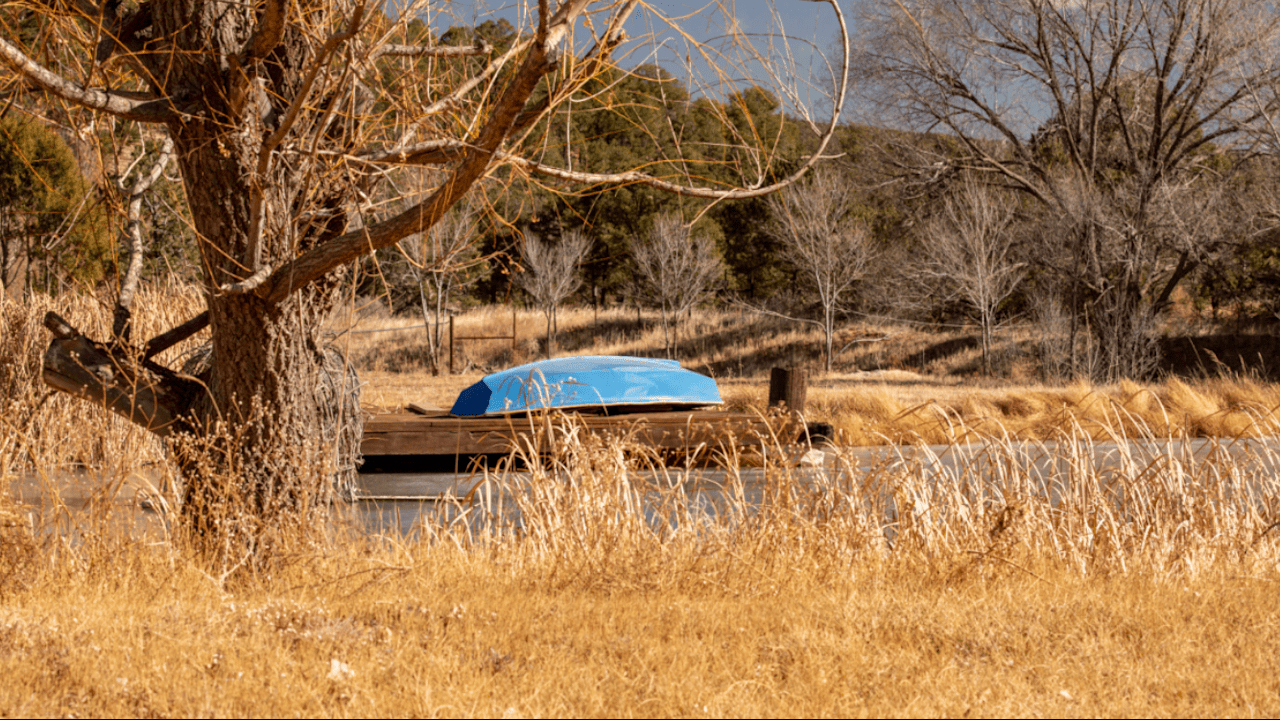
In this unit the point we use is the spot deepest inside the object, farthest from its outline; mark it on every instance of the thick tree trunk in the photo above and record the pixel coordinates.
(260, 458)
(260, 463)
(250, 469)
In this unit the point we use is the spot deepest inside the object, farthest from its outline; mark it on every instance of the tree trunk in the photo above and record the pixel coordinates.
(1122, 328)
(829, 331)
(986, 344)
(257, 464)
(431, 325)
(260, 465)
(550, 337)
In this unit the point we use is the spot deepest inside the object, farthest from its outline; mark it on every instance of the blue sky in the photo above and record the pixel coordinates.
(808, 25)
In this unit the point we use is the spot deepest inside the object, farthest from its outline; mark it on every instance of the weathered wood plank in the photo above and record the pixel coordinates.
(414, 434)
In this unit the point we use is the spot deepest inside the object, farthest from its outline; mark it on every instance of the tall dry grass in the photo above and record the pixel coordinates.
(873, 412)
(917, 585)
(973, 579)
(43, 429)
(868, 408)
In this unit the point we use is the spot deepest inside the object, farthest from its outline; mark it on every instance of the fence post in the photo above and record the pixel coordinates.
(788, 386)
(451, 344)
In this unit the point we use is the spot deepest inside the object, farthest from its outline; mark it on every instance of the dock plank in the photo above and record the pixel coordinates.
(408, 433)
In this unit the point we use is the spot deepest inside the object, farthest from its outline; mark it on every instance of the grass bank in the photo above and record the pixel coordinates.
(921, 588)
(978, 597)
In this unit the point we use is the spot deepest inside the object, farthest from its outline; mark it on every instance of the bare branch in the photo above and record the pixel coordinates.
(133, 230)
(431, 152)
(551, 273)
(465, 88)
(968, 251)
(676, 267)
(304, 92)
(253, 252)
(268, 33)
(441, 51)
(351, 245)
(127, 106)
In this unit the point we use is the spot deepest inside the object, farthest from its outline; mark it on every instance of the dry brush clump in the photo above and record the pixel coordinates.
(876, 411)
(590, 512)
(592, 576)
(606, 583)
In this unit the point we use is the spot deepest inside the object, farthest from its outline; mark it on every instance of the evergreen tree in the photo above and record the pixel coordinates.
(51, 227)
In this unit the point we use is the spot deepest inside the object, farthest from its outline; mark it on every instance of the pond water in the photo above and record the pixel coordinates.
(397, 502)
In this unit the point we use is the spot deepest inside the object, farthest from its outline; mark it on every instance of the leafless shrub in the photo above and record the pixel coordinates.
(434, 264)
(969, 254)
(677, 267)
(551, 273)
(815, 223)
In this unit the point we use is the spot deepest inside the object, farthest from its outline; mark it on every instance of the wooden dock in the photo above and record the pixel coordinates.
(432, 431)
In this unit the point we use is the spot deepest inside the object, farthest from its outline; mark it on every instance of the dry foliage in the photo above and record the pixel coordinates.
(869, 408)
(54, 429)
(987, 593)
(922, 584)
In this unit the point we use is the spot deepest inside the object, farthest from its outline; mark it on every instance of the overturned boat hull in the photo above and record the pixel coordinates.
(605, 383)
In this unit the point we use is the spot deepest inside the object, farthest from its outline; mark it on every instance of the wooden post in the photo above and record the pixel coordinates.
(789, 386)
(513, 332)
(450, 344)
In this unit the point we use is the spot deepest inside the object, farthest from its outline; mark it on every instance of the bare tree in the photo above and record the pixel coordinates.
(434, 262)
(439, 258)
(1137, 93)
(815, 223)
(551, 273)
(285, 118)
(968, 249)
(677, 268)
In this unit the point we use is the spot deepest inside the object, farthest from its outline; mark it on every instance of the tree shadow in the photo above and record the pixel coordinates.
(942, 350)
(1216, 355)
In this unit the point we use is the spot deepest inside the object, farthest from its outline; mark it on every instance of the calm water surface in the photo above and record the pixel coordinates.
(397, 502)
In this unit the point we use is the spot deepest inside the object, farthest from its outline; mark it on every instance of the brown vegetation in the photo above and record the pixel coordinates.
(917, 587)
(890, 401)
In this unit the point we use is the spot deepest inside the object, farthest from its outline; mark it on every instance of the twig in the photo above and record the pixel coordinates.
(1012, 564)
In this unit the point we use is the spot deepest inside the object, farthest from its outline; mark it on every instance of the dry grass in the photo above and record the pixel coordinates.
(55, 430)
(920, 585)
(875, 412)
(985, 603)
(436, 631)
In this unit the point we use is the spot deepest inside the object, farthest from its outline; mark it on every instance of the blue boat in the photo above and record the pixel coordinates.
(608, 383)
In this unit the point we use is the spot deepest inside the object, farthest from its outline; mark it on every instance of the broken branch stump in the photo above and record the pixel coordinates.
(118, 379)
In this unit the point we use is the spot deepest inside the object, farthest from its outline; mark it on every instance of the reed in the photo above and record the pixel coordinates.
(935, 584)
(976, 577)
(43, 429)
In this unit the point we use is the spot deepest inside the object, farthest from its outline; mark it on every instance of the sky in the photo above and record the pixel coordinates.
(809, 26)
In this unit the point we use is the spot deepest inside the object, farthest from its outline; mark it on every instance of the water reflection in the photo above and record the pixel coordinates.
(402, 503)
(75, 503)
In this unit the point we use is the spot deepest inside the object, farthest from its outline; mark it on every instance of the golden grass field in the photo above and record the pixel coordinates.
(989, 604)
